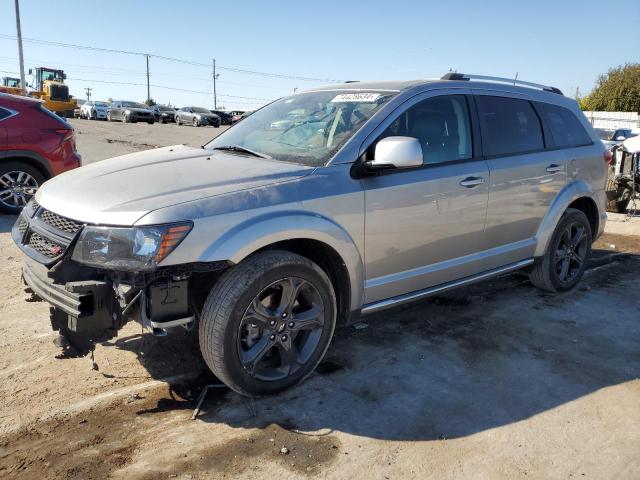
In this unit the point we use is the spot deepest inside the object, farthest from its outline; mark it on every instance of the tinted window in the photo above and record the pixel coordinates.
(565, 128)
(4, 113)
(442, 126)
(509, 126)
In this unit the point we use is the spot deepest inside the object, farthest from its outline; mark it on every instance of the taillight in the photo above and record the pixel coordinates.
(65, 133)
(608, 157)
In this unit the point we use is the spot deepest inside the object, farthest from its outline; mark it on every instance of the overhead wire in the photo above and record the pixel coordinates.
(171, 59)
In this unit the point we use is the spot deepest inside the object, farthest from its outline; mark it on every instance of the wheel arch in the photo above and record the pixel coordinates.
(579, 195)
(313, 236)
(30, 158)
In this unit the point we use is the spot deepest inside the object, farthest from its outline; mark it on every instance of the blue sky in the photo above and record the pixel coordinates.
(563, 43)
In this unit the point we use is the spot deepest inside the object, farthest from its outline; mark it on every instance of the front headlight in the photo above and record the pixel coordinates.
(131, 249)
(127, 112)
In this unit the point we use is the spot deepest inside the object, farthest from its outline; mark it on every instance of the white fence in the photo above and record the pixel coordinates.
(613, 120)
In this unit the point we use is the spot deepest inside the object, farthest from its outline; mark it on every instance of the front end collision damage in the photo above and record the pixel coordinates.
(93, 309)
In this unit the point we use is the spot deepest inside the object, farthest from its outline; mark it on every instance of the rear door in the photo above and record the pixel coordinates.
(525, 176)
(424, 226)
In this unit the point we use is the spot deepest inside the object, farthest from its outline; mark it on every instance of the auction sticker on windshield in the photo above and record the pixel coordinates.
(355, 97)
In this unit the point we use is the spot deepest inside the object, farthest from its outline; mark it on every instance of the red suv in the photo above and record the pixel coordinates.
(35, 145)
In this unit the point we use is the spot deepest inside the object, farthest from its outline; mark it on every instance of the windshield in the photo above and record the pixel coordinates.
(133, 105)
(100, 104)
(164, 108)
(200, 110)
(308, 128)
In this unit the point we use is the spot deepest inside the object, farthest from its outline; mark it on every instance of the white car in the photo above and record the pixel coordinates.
(94, 110)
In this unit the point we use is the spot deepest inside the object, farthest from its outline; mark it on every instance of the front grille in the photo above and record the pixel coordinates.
(44, 246)
(59, 92)
(22, 226)
(59, 222)
(31, 207)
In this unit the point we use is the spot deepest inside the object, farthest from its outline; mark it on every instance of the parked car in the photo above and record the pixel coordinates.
(133, 112)
(35, 145)
(94, 110)
(163, 113)
(197, 116)
(623, 178)
(225, 117)
(267, 239)
(240, 116)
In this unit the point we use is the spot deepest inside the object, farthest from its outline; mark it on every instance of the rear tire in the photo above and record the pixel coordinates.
(177, 120)
(109, 117)
(560, 258)
(223, 324)
(22, 176)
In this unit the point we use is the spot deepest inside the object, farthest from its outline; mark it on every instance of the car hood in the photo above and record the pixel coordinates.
(121, 190)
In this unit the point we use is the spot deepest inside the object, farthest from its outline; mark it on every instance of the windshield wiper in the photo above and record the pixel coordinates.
(241, 149)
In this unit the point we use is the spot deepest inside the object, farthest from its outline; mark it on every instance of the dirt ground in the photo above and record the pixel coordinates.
(493, 381)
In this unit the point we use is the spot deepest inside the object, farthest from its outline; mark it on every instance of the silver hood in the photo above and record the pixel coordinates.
(121, 190)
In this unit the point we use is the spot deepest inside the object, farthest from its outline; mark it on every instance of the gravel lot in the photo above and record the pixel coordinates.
(98, 140)
(494, 381)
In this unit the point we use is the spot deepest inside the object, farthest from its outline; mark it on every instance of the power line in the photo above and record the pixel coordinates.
(171, 59)
(166, 87)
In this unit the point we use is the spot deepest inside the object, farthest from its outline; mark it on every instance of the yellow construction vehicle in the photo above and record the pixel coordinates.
(12, 85)
(50, 87)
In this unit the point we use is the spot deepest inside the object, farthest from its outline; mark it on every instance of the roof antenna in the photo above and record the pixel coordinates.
(515, 79)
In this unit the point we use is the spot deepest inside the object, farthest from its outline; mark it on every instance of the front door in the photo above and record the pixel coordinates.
(425, 226)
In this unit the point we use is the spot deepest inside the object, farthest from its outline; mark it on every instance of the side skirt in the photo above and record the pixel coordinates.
(410, 297)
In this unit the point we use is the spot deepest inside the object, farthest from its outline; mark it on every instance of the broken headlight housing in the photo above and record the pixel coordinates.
(129, 249)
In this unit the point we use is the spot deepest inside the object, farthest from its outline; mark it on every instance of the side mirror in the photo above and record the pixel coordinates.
(396, 152)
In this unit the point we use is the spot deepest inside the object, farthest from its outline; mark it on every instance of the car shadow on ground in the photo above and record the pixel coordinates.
(477, 358)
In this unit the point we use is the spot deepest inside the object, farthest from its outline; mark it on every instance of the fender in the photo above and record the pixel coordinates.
(574, 190)
(242, 240)
(38, 160)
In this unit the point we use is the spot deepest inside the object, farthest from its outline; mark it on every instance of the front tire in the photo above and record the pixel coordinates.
(569, 250)
(195, 122)
(177, 120)
(268, 322)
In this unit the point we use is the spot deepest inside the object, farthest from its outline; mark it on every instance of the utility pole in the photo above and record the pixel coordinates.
(148, 90)
(20, 55)
(215, 77)
(88, 90)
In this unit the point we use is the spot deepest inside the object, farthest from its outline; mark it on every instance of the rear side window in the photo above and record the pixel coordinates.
(510, 126)
(4, 113)
(566, 129)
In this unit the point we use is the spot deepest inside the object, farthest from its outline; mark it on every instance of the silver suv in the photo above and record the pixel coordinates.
(362, 197)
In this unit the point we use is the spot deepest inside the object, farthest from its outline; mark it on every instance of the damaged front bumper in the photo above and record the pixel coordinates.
(90, 304)
(89, 311)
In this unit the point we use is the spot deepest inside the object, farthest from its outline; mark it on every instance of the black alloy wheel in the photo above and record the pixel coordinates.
(570, 252)
(267, 322)
(281, 329)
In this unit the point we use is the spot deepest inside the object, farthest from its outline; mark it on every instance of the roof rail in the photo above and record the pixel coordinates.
(512, 81)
